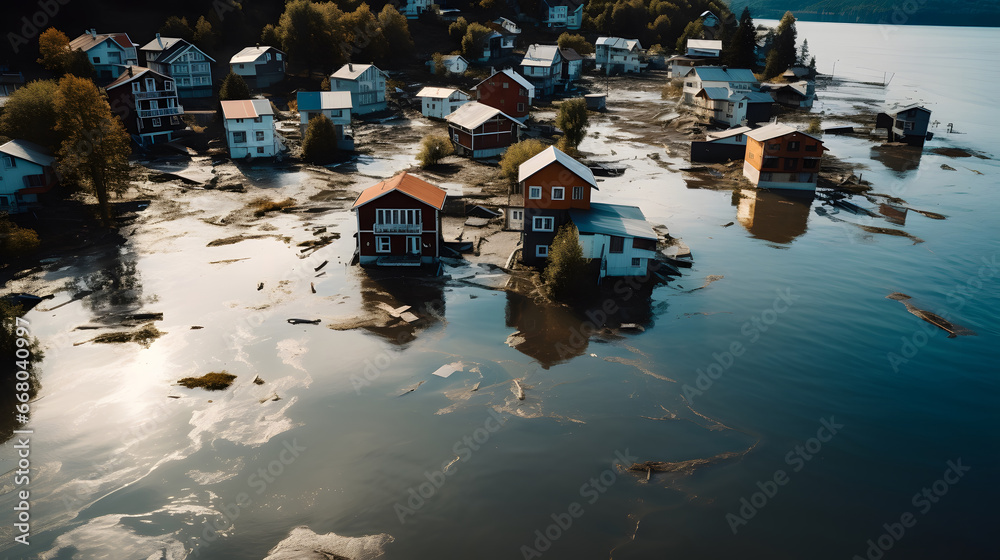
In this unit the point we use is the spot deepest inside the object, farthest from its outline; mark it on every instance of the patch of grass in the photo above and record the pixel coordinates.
(214, 381)
(144, 335)
(263, 205)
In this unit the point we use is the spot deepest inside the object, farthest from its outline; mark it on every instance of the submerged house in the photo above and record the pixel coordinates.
(249, 125)
(507, 91)
(336, 105)
(109, 53)
(781, 157)
(615, 55)
(399, 222)
(801, 93)
(438, 102)
(721, 146)
(481, 131)
(906, 124)
(366, 84)
(190, 68)
(616, 236)
(725, 108)
(147, 103)
(259, 66)
(26, 173)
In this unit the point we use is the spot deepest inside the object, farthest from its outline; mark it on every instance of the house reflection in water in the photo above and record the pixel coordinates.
(778, 217)
(401, 306)
(901, 159)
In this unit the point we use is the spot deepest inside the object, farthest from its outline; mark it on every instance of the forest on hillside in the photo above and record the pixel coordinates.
(984, 13)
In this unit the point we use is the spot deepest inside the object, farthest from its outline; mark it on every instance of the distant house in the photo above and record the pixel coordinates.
(336, 105)
(453, 64)
(250, 130)
(781, 157)
(703, 48)
(572, 66)
(190, 68)
(615, 55)
(438, 103)
(507, 91)
(542, 66)
(366, 84)
(9, 83)
(508, 25)
(399, 222)
(562, 13)
(25, 173)
(481, 131)
(108, 53)
(147, 103)
(616, 236)
(552, 184)
(721, 146)
(710, 25)
(501, 41)
(724, 108)
(906, 124)
(733, 79)
(791, 94)
(414, 8)
(259, 66)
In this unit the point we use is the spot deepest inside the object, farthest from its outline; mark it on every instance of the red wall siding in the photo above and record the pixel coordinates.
(400, 201)
(556, 175)
(491, 92)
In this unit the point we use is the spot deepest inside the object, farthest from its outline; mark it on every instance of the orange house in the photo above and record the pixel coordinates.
(781, 157)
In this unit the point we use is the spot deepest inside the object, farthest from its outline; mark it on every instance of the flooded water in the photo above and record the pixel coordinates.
(796, 409)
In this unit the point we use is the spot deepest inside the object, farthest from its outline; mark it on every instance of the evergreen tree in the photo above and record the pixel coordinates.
(565, 272)
(234, 87)
(782, 55)
(177, 27)
(573, 120)
(741, 51)
(803, 59)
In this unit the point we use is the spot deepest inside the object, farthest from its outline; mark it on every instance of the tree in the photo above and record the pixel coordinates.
(57, 56)
(692, 30)
(741, 51)
(234, 87)
(629, 18)
(573, 120)
(660, 30)
(803, 58)
(177, 27)
(433, 149)
(16, 241)
(30, 114)
(312, 34)
(95, 147)
(324, 84)
(575, 42)
(320, 143)
(270, 36)
(363, 40)
(565, 274)
(396, 32)
(782, 54)
(439, 67)
(203, 35)
(457, 29)
(474, 41)
(517, 154)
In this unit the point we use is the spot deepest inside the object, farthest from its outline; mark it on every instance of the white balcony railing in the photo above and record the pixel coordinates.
(154, 94)
(165, 112)
(398, 228)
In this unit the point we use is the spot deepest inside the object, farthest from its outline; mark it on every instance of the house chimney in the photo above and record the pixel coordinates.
(158, 41)
(725, 69)
(93, 33)
(350, 67)
(129, 71)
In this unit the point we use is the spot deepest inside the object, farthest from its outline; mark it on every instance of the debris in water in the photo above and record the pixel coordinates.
(446, 370)
(260, 286)
(312, 286)
(145, 336)
(411, 388)
(271, 397)
(476, 387)
(729, 224)
(947, 167)
(708, 280)
(520, 390)
(294, 321)
(952, 329)
(321, 265)
(632, 327)
(214, 381)
(196, 327)
(257, 380)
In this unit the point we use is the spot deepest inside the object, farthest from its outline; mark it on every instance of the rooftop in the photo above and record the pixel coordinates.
(473, 114)
(323, 100)
(407, 184)
(728, 133)
(554, 155)
(352, 71)
(28, 151)
(704, 44)
(514, 76)
(723, 74)
(613, 219)
(774, 130)
(436, 92)
(246, 108)
(88, 41)
(250, 54)
(618, 43)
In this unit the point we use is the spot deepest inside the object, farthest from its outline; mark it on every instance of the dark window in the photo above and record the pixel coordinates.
(774, 146)
(636, 262)
(790, 163)
(770, 162)
(809, 163)
(577, 193)
(812, 147)
(793, 146)
(617, 244)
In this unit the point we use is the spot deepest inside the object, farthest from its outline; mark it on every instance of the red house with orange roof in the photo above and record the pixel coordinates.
(399, 222)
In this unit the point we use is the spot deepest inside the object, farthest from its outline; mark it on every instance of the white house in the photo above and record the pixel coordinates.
(366, 84)
(726, 108)
(250, 128)
(614, 54)
(109, 53)
(562, 13)
(414, 8)
(734, 136)
(259, 66)
(25, 172)
(733, 79)
(453, 64)
(617, 236)
(542, 66)
(336, 105)
(704, 48)
(509, 25)
(438, 103)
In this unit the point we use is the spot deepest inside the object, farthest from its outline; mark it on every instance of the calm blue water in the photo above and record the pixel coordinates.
(126, 472)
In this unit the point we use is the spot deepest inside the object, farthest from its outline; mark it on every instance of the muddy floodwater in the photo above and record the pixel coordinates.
(779, 404)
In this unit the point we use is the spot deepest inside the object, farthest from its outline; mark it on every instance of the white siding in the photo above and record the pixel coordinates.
(269, 145)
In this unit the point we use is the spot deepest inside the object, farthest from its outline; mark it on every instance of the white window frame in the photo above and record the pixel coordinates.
(379, 241)
(156, 122)
(258, 135)
(542, 251)
(538, 223)
(558, 193)
(136, 87)
(414, 241)
(534, 194)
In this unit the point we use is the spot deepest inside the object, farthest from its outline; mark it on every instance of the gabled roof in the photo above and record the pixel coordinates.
(87, 41)
(723, 74)
(775, 130)
(906, 108)
(28, 151)
(162, 44)
(618, 43)
(474, 113)
(514, 76)
(570, 55)
(437, 92)
(728, 133)
(541, 55)
(454, 57)
(352, 71)
(714, 93)
(552, 155)
(407, 184)
(136, 71)
(752, 97)
(251, 54)
(323, 100)
(171, 47)
(246, 108)
(704, 44)
(613, 219)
